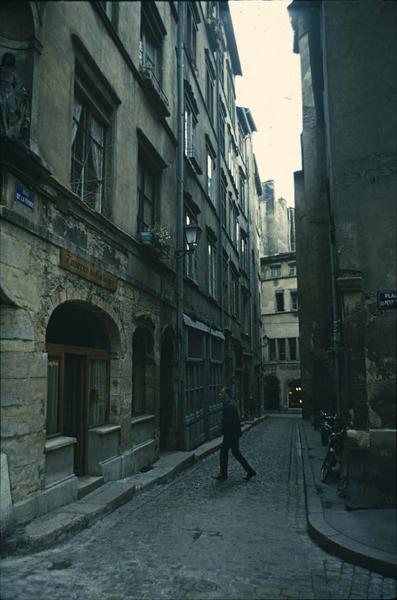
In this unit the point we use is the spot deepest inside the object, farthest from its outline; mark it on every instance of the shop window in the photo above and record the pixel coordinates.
(195, 348)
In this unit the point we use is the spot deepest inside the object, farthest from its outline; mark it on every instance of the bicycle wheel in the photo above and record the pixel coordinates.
(325, 469)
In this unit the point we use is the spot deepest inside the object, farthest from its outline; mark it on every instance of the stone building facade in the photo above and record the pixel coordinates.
(102, 365)
(346, 229)
(279, 305)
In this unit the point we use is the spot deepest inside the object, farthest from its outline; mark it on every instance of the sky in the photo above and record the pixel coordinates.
(270, 87)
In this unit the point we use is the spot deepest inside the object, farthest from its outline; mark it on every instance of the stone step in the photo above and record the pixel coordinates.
(88, 484)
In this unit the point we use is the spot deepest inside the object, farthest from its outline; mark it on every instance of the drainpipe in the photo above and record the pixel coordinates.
(179, 257)
(219, 180)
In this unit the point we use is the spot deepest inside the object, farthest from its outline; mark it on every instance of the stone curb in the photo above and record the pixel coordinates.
(45, 531)
(332, 540)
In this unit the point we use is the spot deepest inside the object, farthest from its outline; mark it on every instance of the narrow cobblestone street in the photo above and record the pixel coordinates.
(198, 538)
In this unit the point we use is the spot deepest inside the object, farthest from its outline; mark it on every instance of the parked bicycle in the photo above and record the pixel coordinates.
(335, 452)
(327, 426)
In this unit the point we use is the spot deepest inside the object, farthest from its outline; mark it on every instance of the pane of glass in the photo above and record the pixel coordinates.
(96, 131)
(53, 395)
(98, 392)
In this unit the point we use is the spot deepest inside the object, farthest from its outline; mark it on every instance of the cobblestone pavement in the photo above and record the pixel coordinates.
(199, 538)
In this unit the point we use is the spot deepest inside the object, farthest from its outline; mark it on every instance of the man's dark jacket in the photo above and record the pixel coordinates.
(230, 427)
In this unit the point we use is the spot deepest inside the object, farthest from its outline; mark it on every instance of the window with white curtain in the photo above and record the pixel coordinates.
(88, 152)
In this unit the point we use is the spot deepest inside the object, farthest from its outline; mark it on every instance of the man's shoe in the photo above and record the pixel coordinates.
(220, 477)
(250, 475)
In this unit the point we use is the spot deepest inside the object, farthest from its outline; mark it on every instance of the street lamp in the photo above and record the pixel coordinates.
(192, 234)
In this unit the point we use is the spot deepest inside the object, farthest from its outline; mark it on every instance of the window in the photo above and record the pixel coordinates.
(150, 56)
(190, 257)
(275, 270)
(111, 10)
(226, 283)
(244, 251)
(280, 301)
(224, 203)
(190, 131)
(292, 348)
(222, 118)
(191, 32)
(234, 223)
(242, 192)
(146, 194)
(272, 349)
(211, 184)
(281, 349)
(234, 294)
(294, 300)
(149, 52)
(210, 85)
(245, 309)
(212, 279)
(88, 152)
(221, 71)
(291, 269)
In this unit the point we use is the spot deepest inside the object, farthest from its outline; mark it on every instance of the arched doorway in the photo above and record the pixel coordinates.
(167, 413)
(271, 393)
(78, 376)
(295, 398)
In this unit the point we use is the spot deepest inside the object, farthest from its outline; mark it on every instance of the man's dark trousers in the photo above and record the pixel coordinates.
(233, 445)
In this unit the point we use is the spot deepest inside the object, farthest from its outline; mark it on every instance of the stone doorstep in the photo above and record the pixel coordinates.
(87, 484)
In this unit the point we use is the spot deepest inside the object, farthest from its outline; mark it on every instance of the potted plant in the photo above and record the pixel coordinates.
(157, 238)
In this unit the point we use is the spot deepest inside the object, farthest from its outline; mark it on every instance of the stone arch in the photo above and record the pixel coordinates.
(83, 375)
(294, 392)
(100, 307)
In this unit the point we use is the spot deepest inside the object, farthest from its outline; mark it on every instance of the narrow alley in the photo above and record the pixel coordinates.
(198, 538)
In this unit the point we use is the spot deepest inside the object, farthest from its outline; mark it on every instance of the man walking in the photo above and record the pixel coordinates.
(231, 430)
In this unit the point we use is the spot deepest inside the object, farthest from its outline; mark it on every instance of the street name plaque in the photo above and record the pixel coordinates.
(387, 299)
